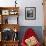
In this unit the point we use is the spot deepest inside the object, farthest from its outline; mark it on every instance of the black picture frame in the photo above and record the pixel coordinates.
(30, 13)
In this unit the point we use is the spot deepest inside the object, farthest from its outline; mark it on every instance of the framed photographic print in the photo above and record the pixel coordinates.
(30, 13)
(5, 12)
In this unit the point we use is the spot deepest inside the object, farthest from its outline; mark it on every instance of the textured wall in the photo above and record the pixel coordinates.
(39, 12)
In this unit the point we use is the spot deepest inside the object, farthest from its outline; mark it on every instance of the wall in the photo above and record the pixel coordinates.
(39, 15)
(37, 30)
(27, 3)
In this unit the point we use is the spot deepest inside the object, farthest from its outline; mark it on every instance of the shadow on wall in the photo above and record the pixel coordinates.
(37, 29)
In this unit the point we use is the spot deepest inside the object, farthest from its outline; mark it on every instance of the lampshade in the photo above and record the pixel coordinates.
(15, 30)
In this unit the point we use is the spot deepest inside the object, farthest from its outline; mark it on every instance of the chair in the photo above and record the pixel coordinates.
(28, 34)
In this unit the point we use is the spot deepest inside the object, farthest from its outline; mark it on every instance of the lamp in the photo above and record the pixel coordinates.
(15, 30)
(15, 3)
